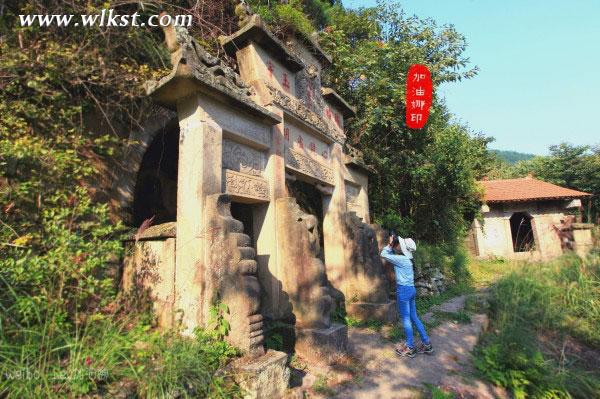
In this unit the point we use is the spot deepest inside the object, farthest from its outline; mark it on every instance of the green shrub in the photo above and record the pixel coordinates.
(288, 16)
(562, 295)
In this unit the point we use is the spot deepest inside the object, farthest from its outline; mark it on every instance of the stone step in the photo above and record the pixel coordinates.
(247, 253)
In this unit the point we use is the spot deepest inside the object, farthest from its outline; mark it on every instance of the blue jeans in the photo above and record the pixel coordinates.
(407, 308)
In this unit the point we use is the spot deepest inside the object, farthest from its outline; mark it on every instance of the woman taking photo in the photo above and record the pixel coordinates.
(398, 253)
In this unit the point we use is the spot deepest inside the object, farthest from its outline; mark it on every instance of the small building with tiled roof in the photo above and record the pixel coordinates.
(528, 218)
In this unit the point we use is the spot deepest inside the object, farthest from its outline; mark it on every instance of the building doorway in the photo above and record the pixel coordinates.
(522, 232)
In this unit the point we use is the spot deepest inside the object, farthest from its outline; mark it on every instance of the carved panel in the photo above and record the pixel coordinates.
(302, 112)
(300, 140)
(242, 158)
(352, 192)
(235, 122)
(244, 185)
(304, 164)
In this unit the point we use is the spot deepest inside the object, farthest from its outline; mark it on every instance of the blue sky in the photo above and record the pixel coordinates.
(539, 68)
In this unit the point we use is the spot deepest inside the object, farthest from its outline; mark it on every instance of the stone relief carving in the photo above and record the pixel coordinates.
(242, 158)
(231, 275)
(308, 89)
(305, 280)
(246, 185)
(352, 193)
(302, 112)
(365, 263)
(304, 164)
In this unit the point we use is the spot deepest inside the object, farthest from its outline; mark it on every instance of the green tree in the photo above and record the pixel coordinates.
(425, 179)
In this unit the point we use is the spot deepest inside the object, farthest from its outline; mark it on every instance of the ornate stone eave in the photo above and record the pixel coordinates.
(333, 97)
(256, 31)
(195, 70)
(354, 157)
(301, 112)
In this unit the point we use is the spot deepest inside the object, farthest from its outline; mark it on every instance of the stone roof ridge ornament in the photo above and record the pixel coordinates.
(354, 156)
(243, 12)
(348, 111)
(312, 43)
(190, 61)
(187, 51)
(255, 30)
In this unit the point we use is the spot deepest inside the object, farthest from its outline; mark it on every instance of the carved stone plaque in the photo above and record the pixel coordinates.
(241, 158)
(308, 166)
(243, 185)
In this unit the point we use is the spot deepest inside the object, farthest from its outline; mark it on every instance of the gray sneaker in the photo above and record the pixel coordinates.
(404, 350)
(422, 348)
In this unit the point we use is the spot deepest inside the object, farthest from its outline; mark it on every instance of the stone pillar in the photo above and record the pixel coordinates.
(365, 285)
(199, 175)
(582, 235)
(334, 208)
(275, 304)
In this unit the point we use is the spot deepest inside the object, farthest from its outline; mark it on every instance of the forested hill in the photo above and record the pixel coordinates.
(512, 157)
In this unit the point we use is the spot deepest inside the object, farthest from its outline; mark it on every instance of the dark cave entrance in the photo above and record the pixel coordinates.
(156, 185)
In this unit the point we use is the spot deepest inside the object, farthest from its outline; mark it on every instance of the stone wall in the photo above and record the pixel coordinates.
(149, 270)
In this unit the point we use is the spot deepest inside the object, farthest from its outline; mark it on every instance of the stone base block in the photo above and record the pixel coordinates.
(264, 377)
(386, 312)
(325, 344)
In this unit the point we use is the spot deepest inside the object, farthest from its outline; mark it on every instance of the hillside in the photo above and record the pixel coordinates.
(512, 157)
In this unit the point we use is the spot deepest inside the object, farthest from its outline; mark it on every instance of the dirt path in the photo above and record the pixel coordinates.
(387, 375)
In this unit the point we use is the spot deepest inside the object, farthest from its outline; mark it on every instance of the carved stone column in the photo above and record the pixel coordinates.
(275, 304)
(199, 175)
(334, 208)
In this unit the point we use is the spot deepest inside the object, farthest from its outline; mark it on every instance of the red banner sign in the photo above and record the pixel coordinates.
(419, 93)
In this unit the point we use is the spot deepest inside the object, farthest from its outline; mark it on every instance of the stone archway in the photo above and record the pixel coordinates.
(131, 162)
(155, 193)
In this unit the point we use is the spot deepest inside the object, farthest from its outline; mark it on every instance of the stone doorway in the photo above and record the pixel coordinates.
(155, 192)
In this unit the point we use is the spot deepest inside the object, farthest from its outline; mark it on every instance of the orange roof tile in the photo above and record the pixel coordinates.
(526, 189)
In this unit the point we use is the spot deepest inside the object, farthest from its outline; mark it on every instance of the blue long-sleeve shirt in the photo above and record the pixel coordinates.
(403, 267)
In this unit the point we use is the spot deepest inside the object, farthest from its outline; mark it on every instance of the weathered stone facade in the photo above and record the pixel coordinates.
(241, 139)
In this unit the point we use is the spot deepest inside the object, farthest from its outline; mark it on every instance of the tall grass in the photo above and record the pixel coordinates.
(561, 296)
(105, 355)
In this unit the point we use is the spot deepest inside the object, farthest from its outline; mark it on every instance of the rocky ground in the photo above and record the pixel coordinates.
(374, 371)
